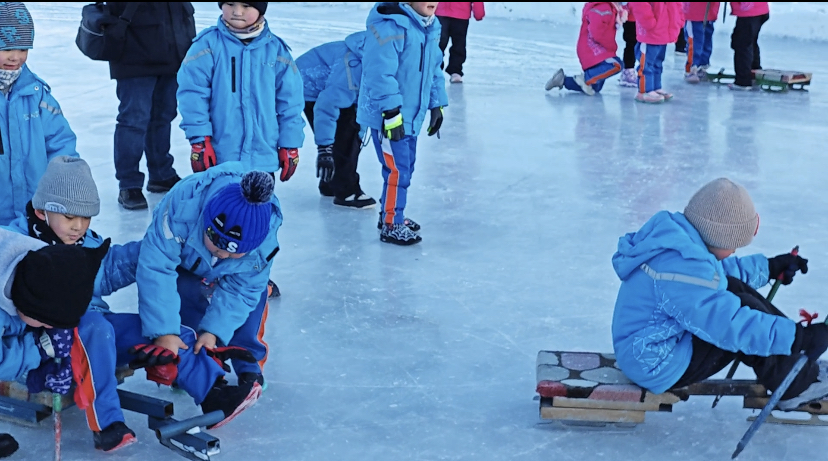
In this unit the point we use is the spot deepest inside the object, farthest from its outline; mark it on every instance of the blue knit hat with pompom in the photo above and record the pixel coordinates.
(237, 218)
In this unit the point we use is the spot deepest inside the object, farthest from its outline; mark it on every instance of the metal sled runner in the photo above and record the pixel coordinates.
(769, 79)
(589, 388)
(184, 437)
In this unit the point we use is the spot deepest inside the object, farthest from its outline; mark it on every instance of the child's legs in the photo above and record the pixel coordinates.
(309, 113)
(457, 52)
(396, 160)
(157, 139)
(629, 45)
(445, 28)
(706, 361)
(597, 74)
(571, 84)
(657, 63)
(760, 20)
(707, 48)
(93, 365)
(250, 336)
(743, 41)
(134, 108)
(346, 148)
(693, 48)
(647, 55)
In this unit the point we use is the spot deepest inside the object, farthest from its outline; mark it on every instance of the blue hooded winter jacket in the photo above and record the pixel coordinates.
(248, 98)
(331, 74)
(175, 239)
(33, 132)
(672, 288)
(117, 268)
(400, 68)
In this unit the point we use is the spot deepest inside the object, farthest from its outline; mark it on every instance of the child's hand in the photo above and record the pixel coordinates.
(150, 355)
(171, 342)
(288, 161)
(436, 121)
(207, 340)
(784, 267)
(222, 354)
(392, 124)
(325, 163)
(202, 155)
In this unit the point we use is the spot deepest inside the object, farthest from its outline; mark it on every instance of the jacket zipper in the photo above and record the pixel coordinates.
(422, 56)
(233, 78)
(195, 266)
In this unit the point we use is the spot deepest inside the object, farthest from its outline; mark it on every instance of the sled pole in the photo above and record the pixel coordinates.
(773, 290)
(774, 399)
(57, 404)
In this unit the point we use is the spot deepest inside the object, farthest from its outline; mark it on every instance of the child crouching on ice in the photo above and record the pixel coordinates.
(597, 49)
(686, 308)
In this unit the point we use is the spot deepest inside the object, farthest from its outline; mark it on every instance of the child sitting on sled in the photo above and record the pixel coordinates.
(686, 307)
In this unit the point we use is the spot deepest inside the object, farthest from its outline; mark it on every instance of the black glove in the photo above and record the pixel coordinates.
(436, 121)
(222, 354)
(325, 163)
(150, 355)
(392, 124)
(786, 265)
(812, 340)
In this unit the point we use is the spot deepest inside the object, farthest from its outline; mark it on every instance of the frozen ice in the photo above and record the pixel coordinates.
(428, 352)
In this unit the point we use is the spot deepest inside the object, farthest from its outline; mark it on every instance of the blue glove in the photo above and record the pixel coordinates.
(55, 343)
(51, 376)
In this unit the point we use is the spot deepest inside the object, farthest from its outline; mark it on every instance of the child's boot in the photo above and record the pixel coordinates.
(116, 435)
(815, 392)
(692, 76)
(249, 377)
(410, 223)
(399, 234)
(628, 79)
(702, 73)
(231, 400)
(579, 79)
(667, 96)
(557, 80)
(650, 97)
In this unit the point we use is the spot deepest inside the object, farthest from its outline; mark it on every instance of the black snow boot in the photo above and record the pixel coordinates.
(7, 445)
(231, 400)
(116, 435)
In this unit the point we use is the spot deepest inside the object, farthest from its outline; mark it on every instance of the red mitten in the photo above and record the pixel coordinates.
(288, 161)
(202, 156)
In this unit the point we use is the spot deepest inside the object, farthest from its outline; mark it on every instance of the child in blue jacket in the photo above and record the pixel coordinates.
(240, 95)
(59, 214)
(331, 74)
(401, 83)
(687, 307)
(33, 129)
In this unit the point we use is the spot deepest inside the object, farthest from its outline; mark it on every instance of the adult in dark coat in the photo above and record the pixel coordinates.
(157, 39)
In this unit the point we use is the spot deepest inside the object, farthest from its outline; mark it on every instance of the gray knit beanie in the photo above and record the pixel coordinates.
(17, 26)
(723, 213)
(67, 187)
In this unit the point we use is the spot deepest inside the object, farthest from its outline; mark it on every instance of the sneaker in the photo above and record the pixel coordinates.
(702, 73)
(273, 290)
(736, 87)
(231, 400)
(132, 199)
(650, 97)
(557, 80)
(115, 436)
(815, 392)
(667, 96)
(325, 189)
(399, 234)
(629, 78)
(250, 377)
(359, 200)
(162, 186)
(410, 223)
(456, 78)
(579, 79)
(692, 76)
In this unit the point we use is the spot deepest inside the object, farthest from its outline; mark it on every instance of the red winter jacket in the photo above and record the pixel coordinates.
(748, 9)
(596, 41)
(657, 23)
(461, 10)
(694, 11)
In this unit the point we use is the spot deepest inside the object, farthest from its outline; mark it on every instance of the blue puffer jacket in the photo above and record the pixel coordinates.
(331, 74)
(117, 268)
(247, 97)
(33, 131)
(175, 238)
(400, 68)
(672, 288)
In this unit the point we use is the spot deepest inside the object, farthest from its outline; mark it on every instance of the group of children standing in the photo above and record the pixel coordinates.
(648, 28)
(202, 267)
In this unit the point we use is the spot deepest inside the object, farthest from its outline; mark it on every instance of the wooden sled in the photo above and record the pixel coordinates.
(769, 79)
(184, 437)
(588, 388)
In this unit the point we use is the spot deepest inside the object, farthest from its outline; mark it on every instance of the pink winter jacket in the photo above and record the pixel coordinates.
(657, 23)
(694, 11)
(596, 41)
(461, 10)
(748, 9)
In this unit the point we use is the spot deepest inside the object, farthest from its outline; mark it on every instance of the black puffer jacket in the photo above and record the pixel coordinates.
(157, 39)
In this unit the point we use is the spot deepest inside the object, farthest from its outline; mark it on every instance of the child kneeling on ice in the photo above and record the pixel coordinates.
(686, 309)
(596, 49)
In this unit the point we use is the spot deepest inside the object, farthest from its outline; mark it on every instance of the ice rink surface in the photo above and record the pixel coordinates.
(380, 352)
